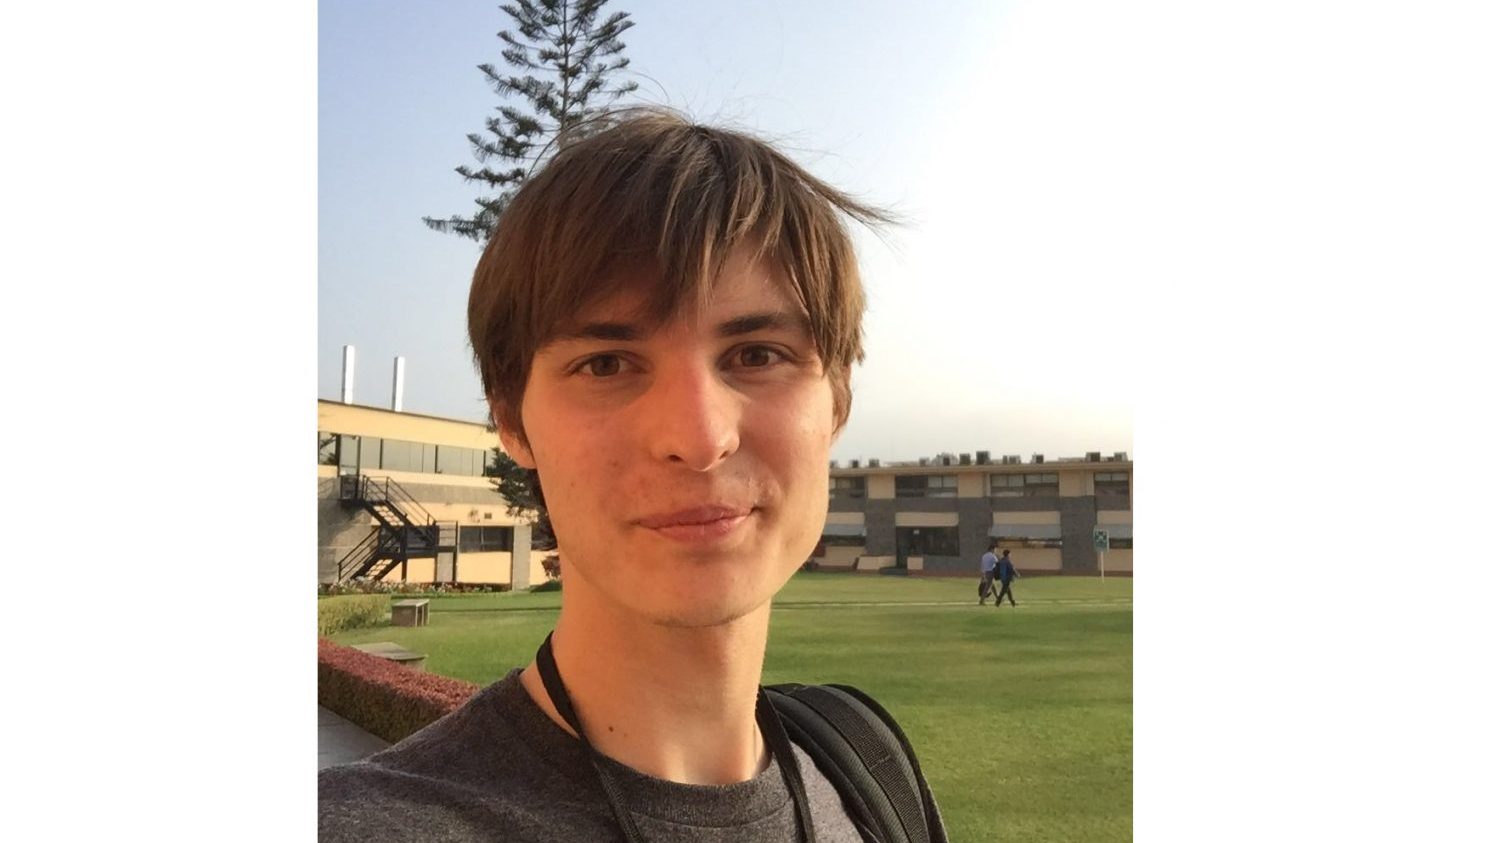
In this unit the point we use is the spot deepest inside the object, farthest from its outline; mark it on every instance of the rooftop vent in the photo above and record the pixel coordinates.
(1120, 456)
(1011, 459)
(346, 392)
(1037, 459)
(1092, 456)
(874, 462)
(398, 383)
(963, 459)
(922, 461)
(982, 457)
(854, 463)
(947, 460)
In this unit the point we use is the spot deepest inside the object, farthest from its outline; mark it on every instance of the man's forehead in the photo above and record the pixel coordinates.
(634, 300)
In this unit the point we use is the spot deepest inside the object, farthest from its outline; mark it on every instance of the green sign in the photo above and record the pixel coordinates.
(1101, 539)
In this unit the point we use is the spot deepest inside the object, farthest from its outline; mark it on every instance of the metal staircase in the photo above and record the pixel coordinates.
(403, 529)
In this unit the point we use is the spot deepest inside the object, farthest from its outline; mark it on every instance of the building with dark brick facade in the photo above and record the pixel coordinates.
(937, 516)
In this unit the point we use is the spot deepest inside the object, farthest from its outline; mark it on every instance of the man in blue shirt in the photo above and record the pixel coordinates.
(1006, 571)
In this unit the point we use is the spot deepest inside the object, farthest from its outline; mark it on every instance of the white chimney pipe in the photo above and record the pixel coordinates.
(398, 381)
(347, 395)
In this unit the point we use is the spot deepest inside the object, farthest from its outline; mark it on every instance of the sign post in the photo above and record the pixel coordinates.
(1101, 544)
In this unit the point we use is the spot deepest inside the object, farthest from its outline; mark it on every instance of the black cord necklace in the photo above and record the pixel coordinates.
(765, 716)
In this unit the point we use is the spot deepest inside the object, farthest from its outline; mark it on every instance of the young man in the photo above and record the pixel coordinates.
(1005, 572)
(987, 564)
(664, 323)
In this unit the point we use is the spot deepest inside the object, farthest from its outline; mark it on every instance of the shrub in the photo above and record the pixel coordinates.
(351, 612)
(549, 585)
(551, 566)
(368, 586)
(382, 697)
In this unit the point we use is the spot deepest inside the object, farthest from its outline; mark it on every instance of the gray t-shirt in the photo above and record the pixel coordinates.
(499, 769)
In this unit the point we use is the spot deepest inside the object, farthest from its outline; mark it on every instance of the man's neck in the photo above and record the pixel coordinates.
(671, 702)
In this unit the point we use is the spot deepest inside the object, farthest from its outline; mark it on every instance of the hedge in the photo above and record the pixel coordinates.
(339, 613)
(382, 697)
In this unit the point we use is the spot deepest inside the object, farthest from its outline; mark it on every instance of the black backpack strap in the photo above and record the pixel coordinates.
(858, 746)
(936, 832)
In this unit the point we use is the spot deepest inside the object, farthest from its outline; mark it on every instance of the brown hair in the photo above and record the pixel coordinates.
(653, 189)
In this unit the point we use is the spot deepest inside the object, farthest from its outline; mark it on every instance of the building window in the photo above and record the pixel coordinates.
(328, 448)
(540, 539)
(847, 487)
(484, 539)
(1015, 536)
(1115, 483)
(927, 486)
(1041, 485)
(1120, 536)
(465, 462)
(491, 462)
(397, 455)
(1016, 542)
(928, 541)
(348, 448)
(843, 541)
(1007, 486)
(369, 452)
(359, 453)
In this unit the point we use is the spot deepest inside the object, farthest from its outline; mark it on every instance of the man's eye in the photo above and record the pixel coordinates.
(603, 366)
(755, 356)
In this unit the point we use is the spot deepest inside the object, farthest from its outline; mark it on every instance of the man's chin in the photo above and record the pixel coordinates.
(706, 614)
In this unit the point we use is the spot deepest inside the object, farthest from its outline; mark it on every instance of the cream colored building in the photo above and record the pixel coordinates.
(433, 470)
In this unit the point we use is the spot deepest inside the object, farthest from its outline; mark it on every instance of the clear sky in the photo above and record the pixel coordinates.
(995, 319)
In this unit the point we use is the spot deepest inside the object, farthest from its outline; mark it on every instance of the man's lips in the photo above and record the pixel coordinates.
(698, 526)
(698, 516)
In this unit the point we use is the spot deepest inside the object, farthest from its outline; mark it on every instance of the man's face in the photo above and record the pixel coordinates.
(685, 464)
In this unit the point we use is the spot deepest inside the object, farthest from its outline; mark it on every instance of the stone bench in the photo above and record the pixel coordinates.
(394, 652)
(409, 613)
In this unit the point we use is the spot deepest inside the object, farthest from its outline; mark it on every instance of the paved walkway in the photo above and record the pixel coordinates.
(340, 741)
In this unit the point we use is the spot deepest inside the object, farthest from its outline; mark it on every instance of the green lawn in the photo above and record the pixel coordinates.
(1021, 718)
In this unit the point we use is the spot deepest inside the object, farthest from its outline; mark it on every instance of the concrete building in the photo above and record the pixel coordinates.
(404, 496)
(389, 477)
(936, 516)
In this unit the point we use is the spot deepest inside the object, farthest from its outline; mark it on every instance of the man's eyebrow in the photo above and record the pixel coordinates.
(609, 331)
(634, 332)
(774, 321)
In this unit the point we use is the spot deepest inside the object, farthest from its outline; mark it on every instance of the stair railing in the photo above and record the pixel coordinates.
(359, 555)
(386, 490)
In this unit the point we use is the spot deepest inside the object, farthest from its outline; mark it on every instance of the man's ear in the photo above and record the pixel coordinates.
(514, 443)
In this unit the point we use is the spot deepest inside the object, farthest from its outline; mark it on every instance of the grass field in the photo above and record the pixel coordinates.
(1021, 718)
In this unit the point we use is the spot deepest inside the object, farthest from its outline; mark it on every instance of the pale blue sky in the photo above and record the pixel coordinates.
(993, 324)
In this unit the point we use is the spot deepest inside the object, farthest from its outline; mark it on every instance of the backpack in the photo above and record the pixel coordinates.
(858, 746)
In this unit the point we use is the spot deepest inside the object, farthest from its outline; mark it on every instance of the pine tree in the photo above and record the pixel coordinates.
(518, 486)
(578, 55)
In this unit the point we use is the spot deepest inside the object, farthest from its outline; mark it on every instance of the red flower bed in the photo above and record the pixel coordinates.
(382, 697)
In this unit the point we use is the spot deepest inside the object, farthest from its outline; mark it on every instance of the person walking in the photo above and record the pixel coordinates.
(1005, 572)
(987, 564)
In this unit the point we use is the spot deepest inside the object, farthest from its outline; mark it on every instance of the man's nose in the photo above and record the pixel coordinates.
(693, 417)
